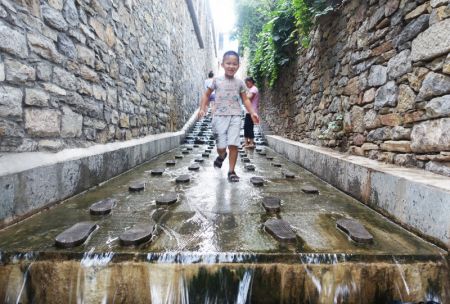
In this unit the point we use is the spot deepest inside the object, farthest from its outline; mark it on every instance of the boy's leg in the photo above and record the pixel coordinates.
(233, 141)
(233, 157)
(219, 126)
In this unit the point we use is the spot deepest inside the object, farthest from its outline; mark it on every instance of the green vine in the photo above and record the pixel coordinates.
(272, 29)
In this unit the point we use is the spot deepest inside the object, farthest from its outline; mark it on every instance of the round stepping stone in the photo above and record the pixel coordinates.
(75, 235)
(171, 162)
(168, 198)
(355, 230)
(139, 234)
(189, 148)
(249, 167)
(178, 156)
(246, 160)
(262, 153)
(199, 160)
(208, 150)
(258, 149)
(257, 181)
(280, 229)
(184, 151)
(196, 146)
(103, 207)
(194, 167)
(136, 186)
(271, 204)
(205, 154)
(269, 157)
(288, 174)
(310, 189)
(276, 165)
(183, 179)
(159, 171)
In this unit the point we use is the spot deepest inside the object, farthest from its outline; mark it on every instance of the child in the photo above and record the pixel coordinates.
(253, 95)
(226, 121)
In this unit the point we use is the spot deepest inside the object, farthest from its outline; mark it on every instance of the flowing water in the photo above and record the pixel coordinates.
(210, 246)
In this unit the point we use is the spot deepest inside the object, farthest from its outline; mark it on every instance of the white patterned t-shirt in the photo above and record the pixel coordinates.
(228, 95)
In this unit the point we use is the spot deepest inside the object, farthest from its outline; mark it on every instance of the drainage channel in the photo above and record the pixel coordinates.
(175, 230)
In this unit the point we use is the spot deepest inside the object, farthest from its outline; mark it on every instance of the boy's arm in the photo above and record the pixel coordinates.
(248, 106)
(204, 103)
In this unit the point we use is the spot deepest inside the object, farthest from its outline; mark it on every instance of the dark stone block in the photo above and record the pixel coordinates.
(258, 150)
(246, 160)
(199, 160)
(171, 162)
(276, 165)
(183, 179)
(262, 153)
(194, 167)
(189, 148)
(257, 181)
(103, 207)
(178, 156)
(250, 167)
(139, 234)
(271, 204)
(310, 189)
(269, 157)
(159, 171)
(184, 151)
(355, 230)
(75, 235)
(288, 174)
(205, 154)
(168, 198)
(136, 186)
(280, 229)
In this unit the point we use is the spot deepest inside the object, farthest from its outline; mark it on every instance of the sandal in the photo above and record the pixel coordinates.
(219, 160)
(232, 177)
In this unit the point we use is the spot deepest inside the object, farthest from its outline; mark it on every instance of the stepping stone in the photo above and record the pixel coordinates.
(205, 154)
(168, 198)
(184, 151)
(159, 171)
(280, 229)
(249, 167)
(75, 235)
(269, 157)
(208, 150)
(136, 186)
(183, 179)
(257, 181)
(194, 167)
(310, 189)
(288, 174)
(196, 146)
(199, 160)
(171, 162)
(271, 204)
(246, 160)
(258, 149)
(276, 165)
(355, 230)
(139, 234)
(189, 148)
(103, 207)
(178, 156)
(262, 153)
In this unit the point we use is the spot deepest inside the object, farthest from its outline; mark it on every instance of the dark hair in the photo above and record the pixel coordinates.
(250, 79)
(230, 53)
(210, 74)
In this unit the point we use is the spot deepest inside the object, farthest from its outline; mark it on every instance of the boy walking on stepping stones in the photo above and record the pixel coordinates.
(226, 122)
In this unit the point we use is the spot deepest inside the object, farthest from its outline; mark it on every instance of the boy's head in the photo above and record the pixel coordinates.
(210, 74)
(249, 82)
(230, 63)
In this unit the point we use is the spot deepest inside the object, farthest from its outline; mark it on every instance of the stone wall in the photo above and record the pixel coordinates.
(78, 72)
(375, 82)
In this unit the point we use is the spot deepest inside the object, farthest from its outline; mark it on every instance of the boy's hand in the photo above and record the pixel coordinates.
(200, 114)
(255, 118)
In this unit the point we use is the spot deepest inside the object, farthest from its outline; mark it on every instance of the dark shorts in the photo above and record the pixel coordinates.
(248, 127)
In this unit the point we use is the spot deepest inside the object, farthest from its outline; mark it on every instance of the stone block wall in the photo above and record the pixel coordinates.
(78, 72)
(374, 82)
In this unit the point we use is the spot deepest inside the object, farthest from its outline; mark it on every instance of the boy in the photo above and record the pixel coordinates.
(253, 95)
(226, 121)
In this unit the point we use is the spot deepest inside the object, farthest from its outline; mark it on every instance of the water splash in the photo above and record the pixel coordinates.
(176, 257)
(91, 259)
(244, 287)
(323, 258)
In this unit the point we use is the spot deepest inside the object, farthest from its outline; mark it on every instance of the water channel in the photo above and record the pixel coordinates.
(211, 246)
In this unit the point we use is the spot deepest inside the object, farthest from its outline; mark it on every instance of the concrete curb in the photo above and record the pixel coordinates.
(418, 200)
(32, 181)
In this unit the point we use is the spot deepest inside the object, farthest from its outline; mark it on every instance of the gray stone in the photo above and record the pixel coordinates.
(35, 97)
(406, 98)
(64, 79)
(157, 172)
(357, 119)
(11, 102)
(386, 95)
(138, 234)
(439, 168)
(434, 84)
(377, 75)
(431, 136)
(355, 230)
(44, 47)
(86, 55)
(70, 13)
(136, 186)
(399, 65)
(44, 71)
(103, 207)
(399, 133)
(167, 198)
(185, 178)
(54, 18)
(436, 3)
(13, 42)
(66, 46)
(42, 122)
(413, 29)
(433, 42)
(50, 145)
(71, 123)
(271, 204)
(375, 18)
(379, 134)
(371, 120)
(16, 72)
(438, 107)
(257, 181)
(280, 229)
(75, 235)
(310, 189)
(2, 72)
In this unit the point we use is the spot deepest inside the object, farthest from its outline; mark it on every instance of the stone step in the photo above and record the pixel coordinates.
(167, 198)
(309, 189)
(140, 233)
(355, 230)
(75, 235)
(103, 207)
(280, 230)
(136, 186)
(271, 204)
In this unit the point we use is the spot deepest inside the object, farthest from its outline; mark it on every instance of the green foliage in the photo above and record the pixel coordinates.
(271, 31)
